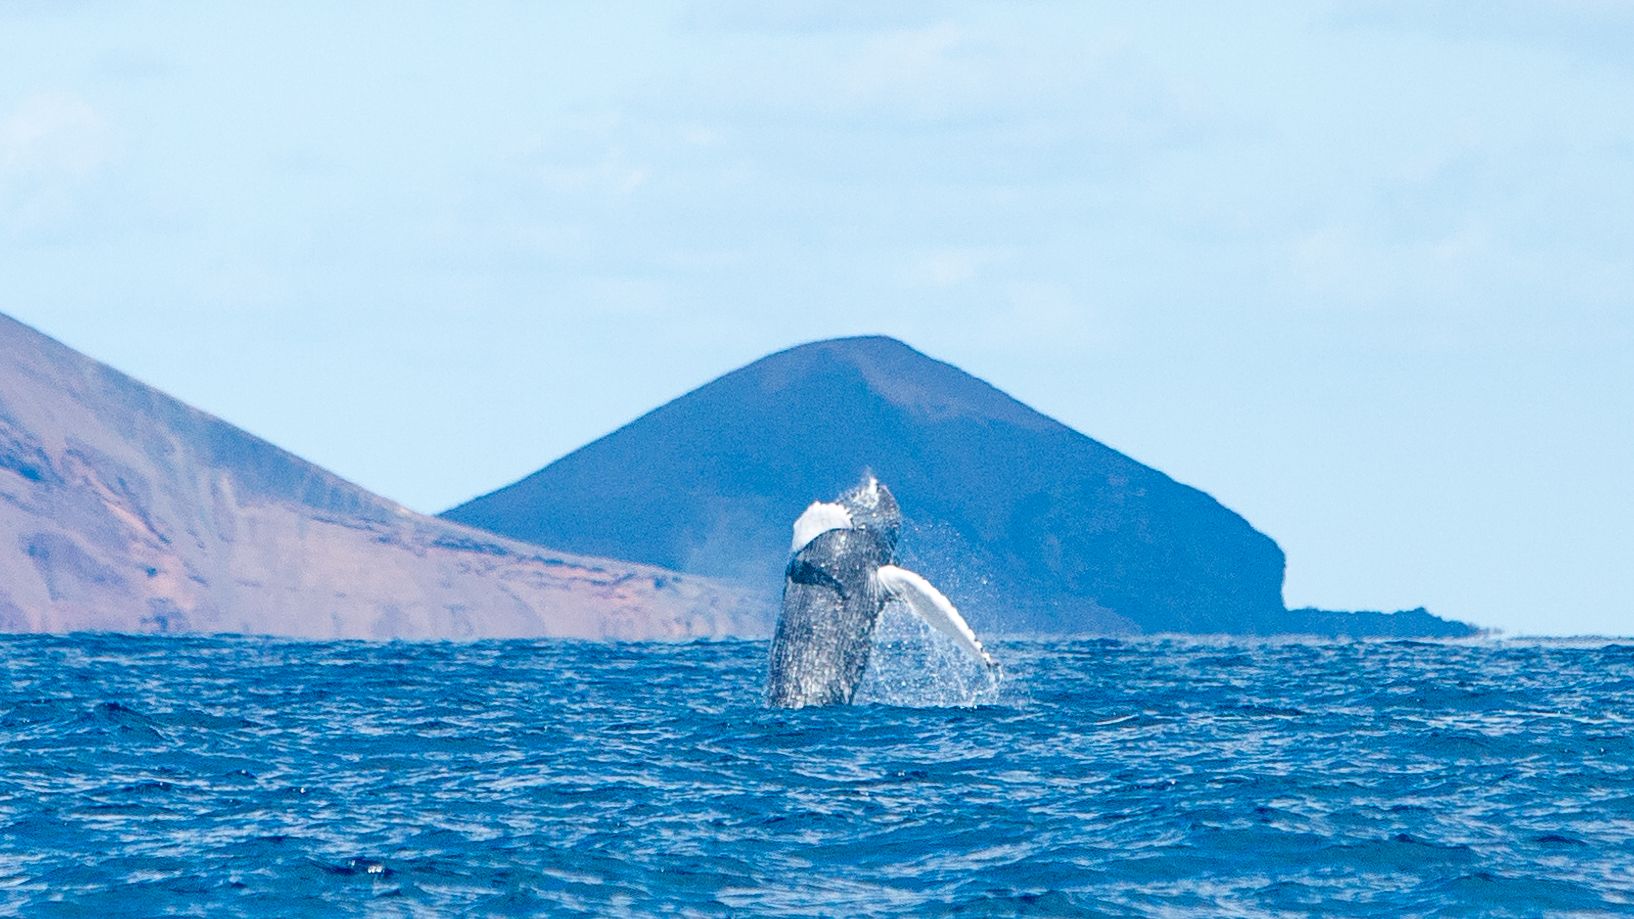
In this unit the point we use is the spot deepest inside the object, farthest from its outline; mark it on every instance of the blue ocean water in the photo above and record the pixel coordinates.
(218, 776)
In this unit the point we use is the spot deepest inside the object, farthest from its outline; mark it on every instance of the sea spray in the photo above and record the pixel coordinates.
(914, 666)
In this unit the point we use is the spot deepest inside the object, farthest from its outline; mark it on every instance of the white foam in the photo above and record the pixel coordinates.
(869, 496)
(818, 519)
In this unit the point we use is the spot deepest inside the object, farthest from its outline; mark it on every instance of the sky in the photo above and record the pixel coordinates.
(1362, 271)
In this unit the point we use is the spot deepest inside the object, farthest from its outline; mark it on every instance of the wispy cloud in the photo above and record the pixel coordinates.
(52, 146)
(1603, 29)
(53, 133)
(815, 17)
(949, 267)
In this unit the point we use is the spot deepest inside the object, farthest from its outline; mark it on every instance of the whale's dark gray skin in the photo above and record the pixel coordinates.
(831, 599)
(840, 576)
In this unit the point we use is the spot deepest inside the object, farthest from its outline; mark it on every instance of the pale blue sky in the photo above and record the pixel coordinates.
(1363, 271)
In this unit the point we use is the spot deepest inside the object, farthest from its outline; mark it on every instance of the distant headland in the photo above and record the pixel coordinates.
(121, 509)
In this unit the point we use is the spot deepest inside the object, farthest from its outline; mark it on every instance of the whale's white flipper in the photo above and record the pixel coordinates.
(929, 604)
(818, 519)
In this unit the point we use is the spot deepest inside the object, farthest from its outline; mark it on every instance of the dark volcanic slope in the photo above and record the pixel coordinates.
(123, 509)
(1028, 524)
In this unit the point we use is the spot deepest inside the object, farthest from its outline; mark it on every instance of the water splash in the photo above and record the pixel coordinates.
(914, 666)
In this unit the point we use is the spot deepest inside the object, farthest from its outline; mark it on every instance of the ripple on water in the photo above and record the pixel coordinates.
(236, 775)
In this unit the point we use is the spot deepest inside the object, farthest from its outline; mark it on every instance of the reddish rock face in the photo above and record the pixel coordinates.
(123, 509)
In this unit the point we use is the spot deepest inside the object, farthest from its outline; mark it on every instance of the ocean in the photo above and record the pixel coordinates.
(253, 776)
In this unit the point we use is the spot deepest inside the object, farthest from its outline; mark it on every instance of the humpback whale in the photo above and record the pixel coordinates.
(840, 575)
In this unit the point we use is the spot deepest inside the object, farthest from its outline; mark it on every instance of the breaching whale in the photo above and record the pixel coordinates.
(841, 573)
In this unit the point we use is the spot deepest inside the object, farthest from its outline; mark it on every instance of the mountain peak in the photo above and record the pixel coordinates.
(898, 373)
(853, 343)
(1046, 529)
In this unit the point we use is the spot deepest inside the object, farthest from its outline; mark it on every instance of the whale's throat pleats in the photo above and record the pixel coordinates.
(825, 633)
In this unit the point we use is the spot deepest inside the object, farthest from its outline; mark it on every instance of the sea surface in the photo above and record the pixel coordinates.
(253, 776)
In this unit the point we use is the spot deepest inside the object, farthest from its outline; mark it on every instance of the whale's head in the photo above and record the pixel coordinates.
(872, 507)
(868, 509)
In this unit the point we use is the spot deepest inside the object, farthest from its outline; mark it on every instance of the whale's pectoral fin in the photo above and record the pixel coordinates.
(929, 604)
